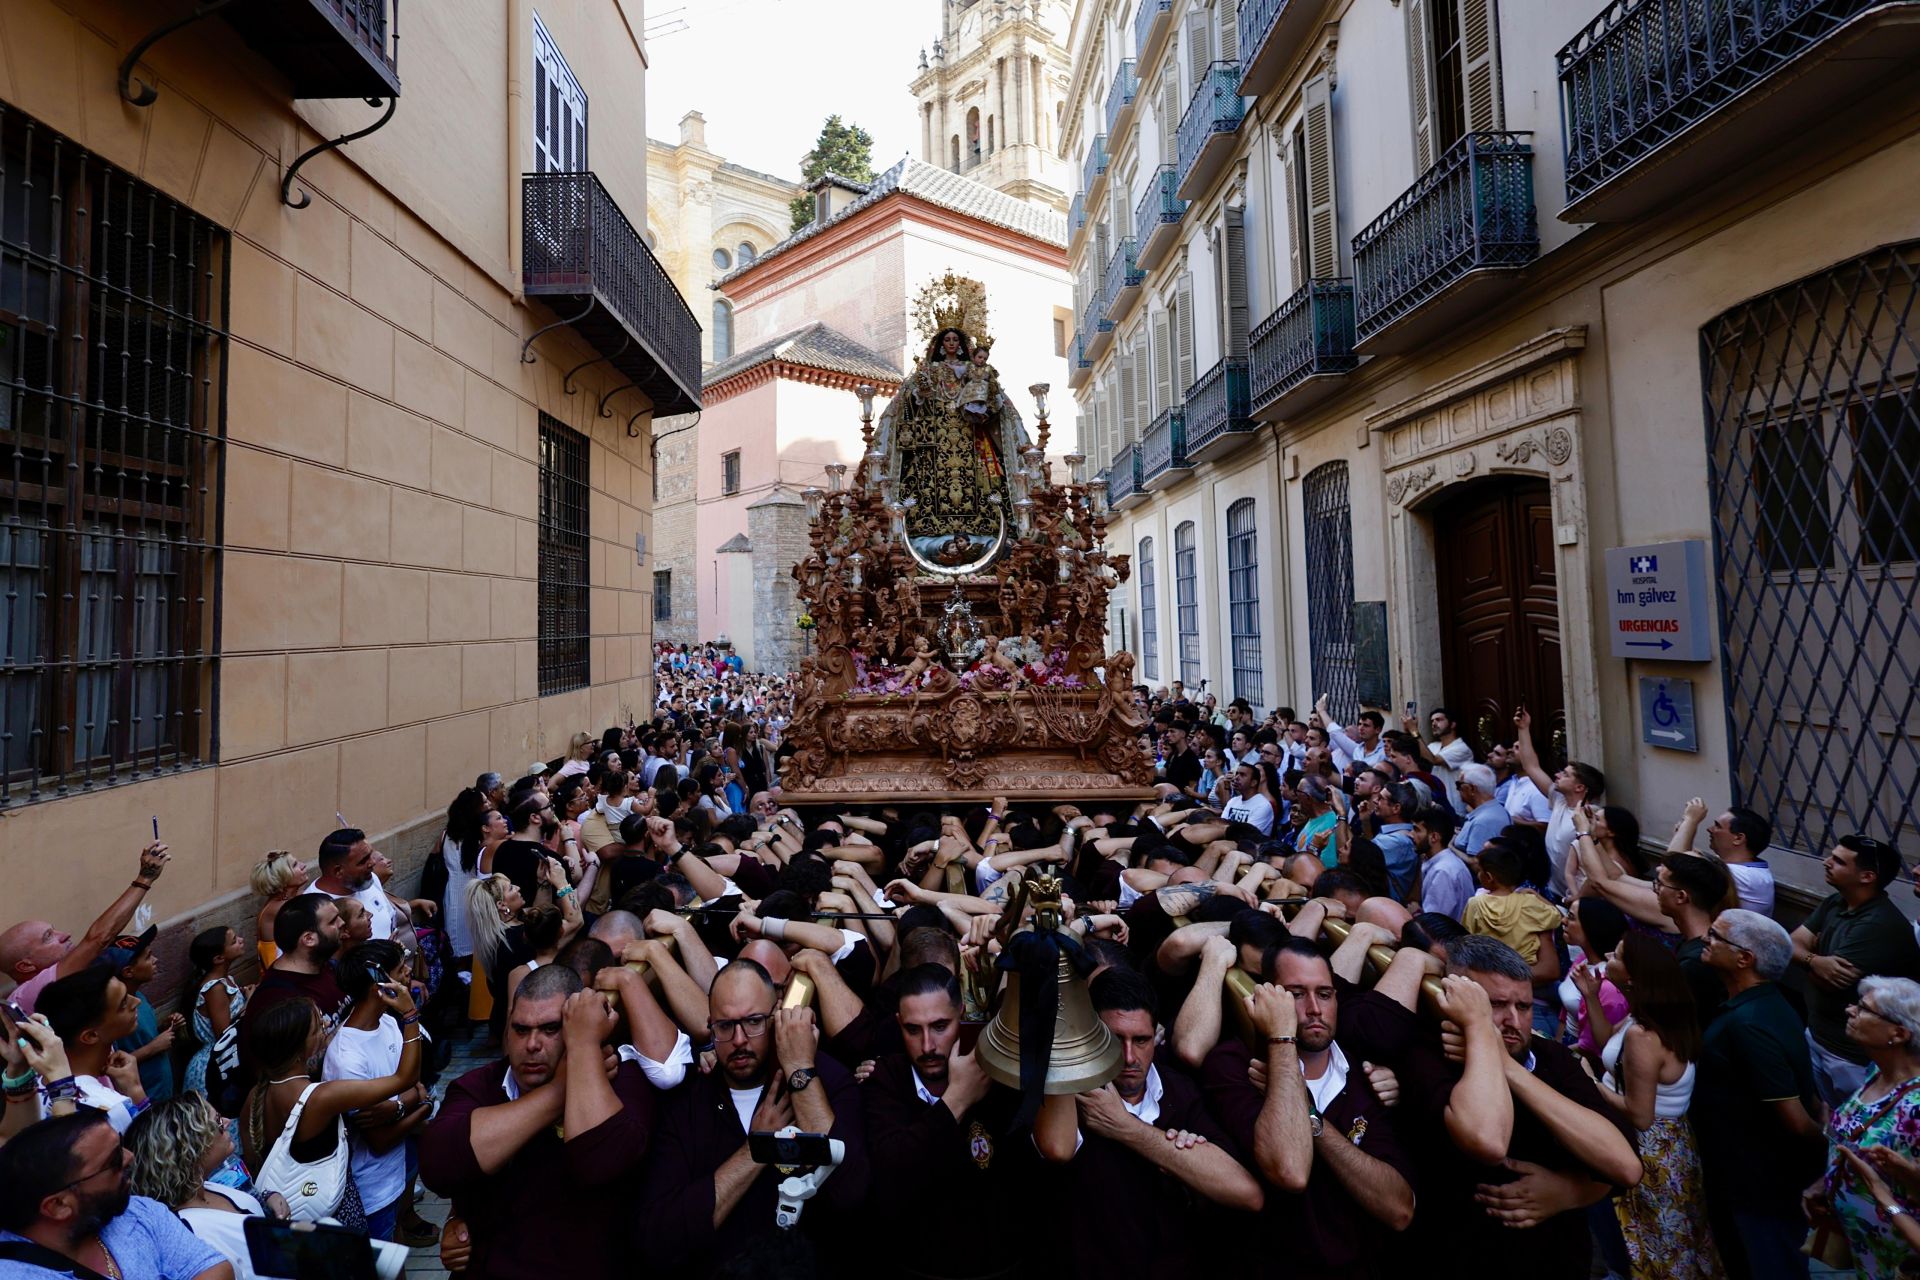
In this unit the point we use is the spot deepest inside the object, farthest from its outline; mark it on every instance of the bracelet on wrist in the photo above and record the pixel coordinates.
(1280, 1040)
(10, 1082)
(563, 891)
(144, 884)
(408, 1019)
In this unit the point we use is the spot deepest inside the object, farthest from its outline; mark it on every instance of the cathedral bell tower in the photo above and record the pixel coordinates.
(990, 94)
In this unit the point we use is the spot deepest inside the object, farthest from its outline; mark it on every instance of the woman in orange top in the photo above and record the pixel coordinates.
(276, 877)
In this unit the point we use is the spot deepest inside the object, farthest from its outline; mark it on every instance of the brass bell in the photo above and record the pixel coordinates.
(1084, 1054)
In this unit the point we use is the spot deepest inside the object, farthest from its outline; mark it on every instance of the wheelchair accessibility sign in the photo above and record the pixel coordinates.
(1666, 714)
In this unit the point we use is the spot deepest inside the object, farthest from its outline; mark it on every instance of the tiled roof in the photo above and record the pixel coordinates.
(936, 186)
(814, 347)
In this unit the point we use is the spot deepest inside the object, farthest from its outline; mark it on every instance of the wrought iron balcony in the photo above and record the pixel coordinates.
(1124, 278)
(1271, 32)
(1219, 415)
(1079, 364)
(1207, 129)
(1647, 80)
(1163, 449)
(1123, 479)
(326, 48)
(1093, 171)
(1076, 220)
(584, 257)
(1120, 95)
(1303, 348)
(1152, 24)
(1468, 219)
(1156, 220)
(1095, 328)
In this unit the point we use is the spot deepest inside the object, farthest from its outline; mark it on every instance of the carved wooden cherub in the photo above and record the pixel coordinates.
(922, 660)
(1005, 662)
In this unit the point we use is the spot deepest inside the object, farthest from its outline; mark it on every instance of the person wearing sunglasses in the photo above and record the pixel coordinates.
(67, 1208)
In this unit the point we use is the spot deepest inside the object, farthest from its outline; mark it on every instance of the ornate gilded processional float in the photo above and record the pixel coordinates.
(958, 592)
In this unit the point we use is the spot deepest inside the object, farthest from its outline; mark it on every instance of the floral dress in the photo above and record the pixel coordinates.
(1892, 1121)
(203, 1029)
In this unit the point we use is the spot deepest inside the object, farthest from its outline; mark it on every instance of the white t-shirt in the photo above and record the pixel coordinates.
(1753, 881)
(1560, 838)
(386, 916)
(1455, 756)
(1525, 803)
(744, 1103)
(369, 1055)
(1255, 810)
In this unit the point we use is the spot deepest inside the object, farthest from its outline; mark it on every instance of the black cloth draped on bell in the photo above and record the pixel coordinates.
(1034, 955)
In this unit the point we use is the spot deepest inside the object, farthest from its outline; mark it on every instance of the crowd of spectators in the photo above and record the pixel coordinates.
(1380, 1005)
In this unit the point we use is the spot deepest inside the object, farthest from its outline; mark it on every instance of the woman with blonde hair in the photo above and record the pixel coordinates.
(497, 912)
(579, 756)
(277, 877)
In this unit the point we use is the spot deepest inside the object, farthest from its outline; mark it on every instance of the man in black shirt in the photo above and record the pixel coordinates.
(1183, 767)
(1514, 1140)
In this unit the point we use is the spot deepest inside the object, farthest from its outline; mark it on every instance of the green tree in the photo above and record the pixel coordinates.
(842, 149)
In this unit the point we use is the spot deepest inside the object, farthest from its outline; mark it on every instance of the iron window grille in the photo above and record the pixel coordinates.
(730, 472)
(1186, 592)
(1813, 445)
(112, 398)
(1243, 602)
(1149, 615)
(663, 595)
(565, 622)
(1329, 519)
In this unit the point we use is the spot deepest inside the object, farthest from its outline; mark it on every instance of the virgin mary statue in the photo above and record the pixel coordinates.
(950, 435)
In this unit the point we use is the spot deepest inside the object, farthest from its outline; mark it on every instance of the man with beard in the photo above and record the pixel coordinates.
(346, 870)
(67, 1203)
(307, 932)
(705, 1199)
(564, 1117)
(1144, 1155)
(1338, 1179)
(1512, 1137)
(942, 1137)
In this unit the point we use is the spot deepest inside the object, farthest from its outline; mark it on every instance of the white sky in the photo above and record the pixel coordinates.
(767, 73)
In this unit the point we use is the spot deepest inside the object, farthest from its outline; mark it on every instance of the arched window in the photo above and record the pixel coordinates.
(1149, 615)
(722, 329)
(1329, 517)
(1243, 601)
(722, 260)
(973, 136)
(745, 253)
(1186, 597)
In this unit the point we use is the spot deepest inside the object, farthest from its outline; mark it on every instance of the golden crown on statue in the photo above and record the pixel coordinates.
(951, 302)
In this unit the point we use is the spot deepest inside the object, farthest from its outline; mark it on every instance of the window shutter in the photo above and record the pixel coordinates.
(1323, 228)
(1229, 11)
(1199, 47)
(1296, 251)
(1183, 334)
(1102, 249)
(1164, 393)
(1143, 407)
(1420, 80)
(1169, 113)
(1130, 421)
(1234, 246)
(1480, 54)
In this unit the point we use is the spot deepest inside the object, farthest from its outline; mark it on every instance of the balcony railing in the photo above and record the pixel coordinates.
(1157, 216)
(1094, 170)
(1123, 281)
(1079, 364)
(1269, 31)
(1218, 408)
(1152, 23)
(1163, 449)
(1645, 72)
(1473, 211)
(1096, 331)
(326, 48)
(1120, 95)
(1076, 218)
(1123, 477)
(582, 254)
(1212, 117)
(1310, 336)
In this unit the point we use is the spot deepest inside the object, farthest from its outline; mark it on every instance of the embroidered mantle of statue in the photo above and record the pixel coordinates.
(959, 588)
(949, 436)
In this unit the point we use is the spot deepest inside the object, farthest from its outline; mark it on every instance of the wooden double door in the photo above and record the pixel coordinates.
(1500, 613)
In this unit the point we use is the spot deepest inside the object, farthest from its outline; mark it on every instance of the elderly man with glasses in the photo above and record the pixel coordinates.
(1753, 1101)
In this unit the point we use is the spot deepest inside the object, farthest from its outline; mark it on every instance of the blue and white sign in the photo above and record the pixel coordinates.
(1657, 602)
(1666, 714)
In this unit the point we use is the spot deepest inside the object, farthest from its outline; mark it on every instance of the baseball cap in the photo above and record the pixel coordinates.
(127, 949)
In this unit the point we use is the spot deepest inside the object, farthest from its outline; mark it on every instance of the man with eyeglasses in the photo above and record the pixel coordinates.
(1857, 932)
(67, 1203)
(541, 1154)
(704, 1199)
(1760, 1144)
